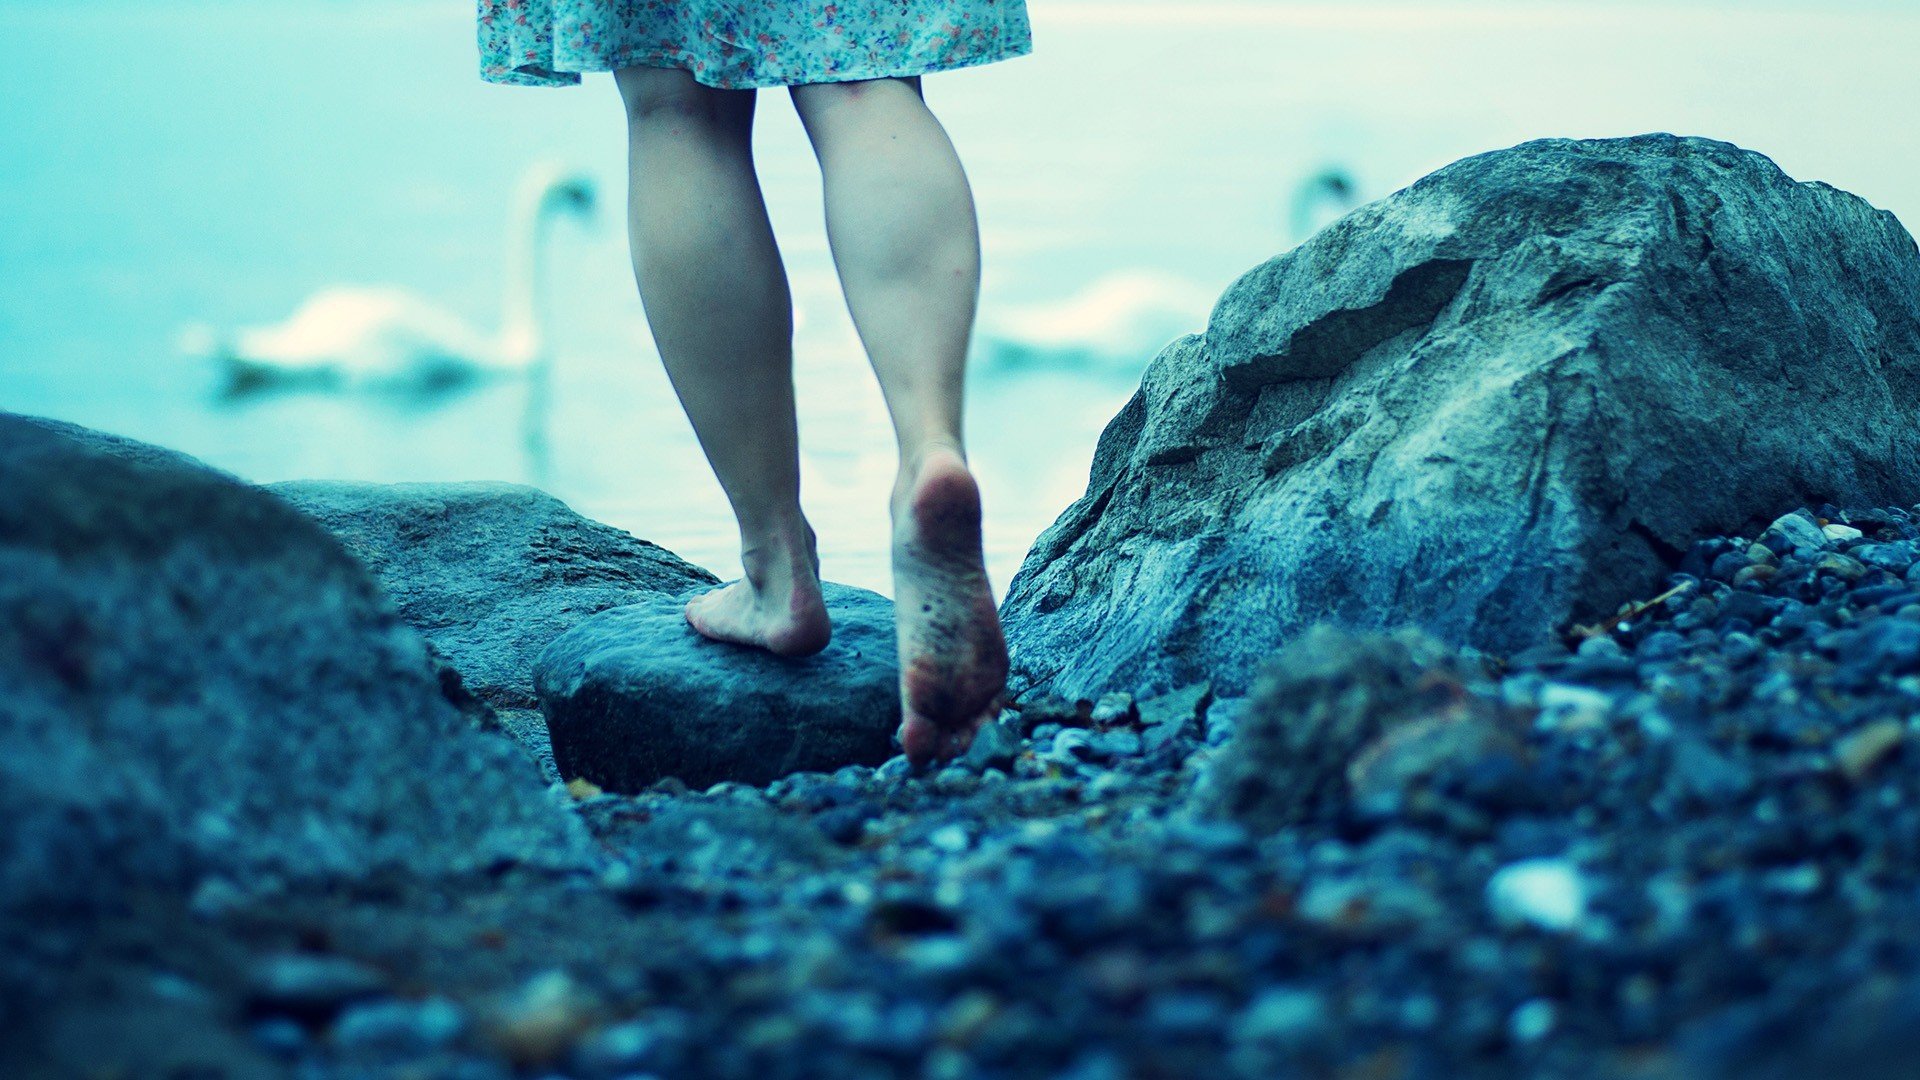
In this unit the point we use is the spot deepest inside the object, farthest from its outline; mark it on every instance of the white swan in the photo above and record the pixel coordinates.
(1111, 321)
(1320, 200)
(389, 340)
(1118, 318)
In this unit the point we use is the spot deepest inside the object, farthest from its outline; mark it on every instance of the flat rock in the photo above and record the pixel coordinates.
(634, 695)
(1499, 402)
(199, 686)
(491, 573)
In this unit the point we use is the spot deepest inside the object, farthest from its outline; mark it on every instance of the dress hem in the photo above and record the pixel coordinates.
(535, 75)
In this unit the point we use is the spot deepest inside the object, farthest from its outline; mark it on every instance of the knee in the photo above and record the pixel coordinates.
(814, 101)
(655, 96)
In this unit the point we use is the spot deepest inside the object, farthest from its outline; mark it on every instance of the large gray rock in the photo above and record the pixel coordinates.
(199, 687)
(1499, 401)
(491, 573)
(634, 695)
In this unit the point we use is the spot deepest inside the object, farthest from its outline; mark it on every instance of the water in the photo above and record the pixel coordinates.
(217, 162)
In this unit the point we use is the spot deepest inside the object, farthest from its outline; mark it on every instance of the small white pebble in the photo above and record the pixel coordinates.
(1547, 893)
(1532, 1021)
(951, 838)
(1842, 533)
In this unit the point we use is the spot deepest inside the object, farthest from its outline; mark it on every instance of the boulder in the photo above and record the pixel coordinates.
(1498, 402)
(1366, 724)
(199, 688)
(634, 695)
(491, 573)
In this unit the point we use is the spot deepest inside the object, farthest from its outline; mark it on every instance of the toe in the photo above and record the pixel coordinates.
(920, 740)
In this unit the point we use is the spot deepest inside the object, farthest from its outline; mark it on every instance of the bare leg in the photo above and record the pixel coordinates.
(716, 297)
(900, 218)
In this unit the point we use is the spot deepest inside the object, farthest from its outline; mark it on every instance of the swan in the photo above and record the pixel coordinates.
(390, 340)
(1112, 320)
(1108, 322)
(1320, 200)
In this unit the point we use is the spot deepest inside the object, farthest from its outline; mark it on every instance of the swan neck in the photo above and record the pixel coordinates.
(522, 324)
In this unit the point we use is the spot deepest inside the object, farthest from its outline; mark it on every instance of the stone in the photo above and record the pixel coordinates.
(1841, 566)
(1532, 1021)
(1169, 717)
(1115, 708)
(200, 684)
(542, 1020)
(994, 746)
(1288, 1015)
(1700, 775)
(1116, 744)
(1895, 557)
(633, 694)
(1484, 406)
(1548, 893)
(1411, 766)
(491, 573)
(1178, 709)
(1861, 752)
(1319, 704)
(1796, 531)
(400, 1027)
(308, 986)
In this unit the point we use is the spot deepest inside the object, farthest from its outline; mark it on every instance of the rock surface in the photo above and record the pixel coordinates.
(202, 693)
(1379, 726)
(634, 695)
(491, 573)
(1486, 405)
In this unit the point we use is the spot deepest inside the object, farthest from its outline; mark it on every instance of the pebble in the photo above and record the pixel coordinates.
(1115, 708)
(1116, 744)
(1566, 707)
(400, 1027)
(1896, 557)
(1841, 566)
(995, 746)
(280, 1036)
(540, 1022)
(1288, 1016)
(1547, 893)
(956, 780)
(1797, 531)
(1861, 752)
(620, 1048)
(1532, 1021)
(1072, 746)
(310, 985)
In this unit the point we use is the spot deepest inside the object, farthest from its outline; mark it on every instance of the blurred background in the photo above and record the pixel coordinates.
(180, 177)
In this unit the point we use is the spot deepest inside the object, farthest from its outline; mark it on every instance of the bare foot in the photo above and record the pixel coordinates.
(777, 606)
(953, 658)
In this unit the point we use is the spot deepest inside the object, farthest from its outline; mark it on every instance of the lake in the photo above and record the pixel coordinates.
(214, 163)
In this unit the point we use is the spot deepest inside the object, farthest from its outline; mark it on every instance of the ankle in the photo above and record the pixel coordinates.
(913, 463)
(775, 553)
(914, 454)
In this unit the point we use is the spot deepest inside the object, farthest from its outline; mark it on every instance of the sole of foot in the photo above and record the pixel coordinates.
(953, 656)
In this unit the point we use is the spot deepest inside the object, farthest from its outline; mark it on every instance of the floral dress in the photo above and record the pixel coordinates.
(741, 44)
